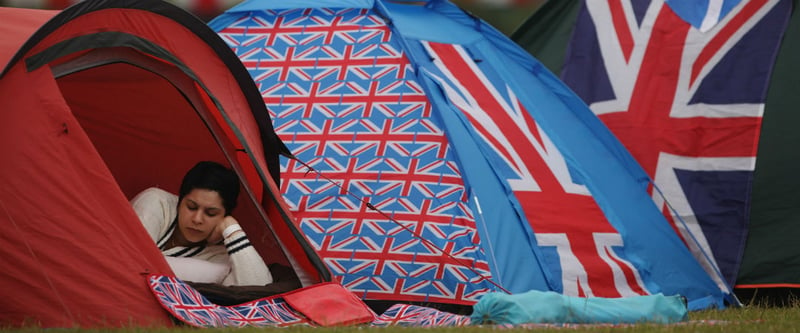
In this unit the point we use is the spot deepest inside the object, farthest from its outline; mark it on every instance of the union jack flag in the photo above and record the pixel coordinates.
(687, 101)
(189, 306)
(343, 97)
(561, 211)
(419, 316)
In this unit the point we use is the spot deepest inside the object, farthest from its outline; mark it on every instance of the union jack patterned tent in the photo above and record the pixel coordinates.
(435, 160)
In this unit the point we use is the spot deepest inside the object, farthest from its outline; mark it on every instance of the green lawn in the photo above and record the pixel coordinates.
(746, 319)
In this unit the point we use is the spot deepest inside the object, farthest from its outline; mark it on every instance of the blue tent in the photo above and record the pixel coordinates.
(433, 160)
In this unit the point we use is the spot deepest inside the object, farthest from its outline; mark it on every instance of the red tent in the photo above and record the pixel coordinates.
(99, 102)
(202, 8)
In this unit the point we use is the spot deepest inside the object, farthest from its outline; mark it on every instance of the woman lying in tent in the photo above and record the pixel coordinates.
(196, 232)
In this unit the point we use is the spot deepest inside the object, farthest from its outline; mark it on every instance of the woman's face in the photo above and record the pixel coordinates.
(199, 212)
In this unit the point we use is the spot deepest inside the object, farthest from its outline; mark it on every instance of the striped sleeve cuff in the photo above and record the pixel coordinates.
(236, 244)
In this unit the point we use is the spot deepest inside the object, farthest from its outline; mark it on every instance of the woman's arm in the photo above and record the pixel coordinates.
(247, 266)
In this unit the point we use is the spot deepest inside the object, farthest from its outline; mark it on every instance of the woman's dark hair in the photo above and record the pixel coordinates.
(212, 176)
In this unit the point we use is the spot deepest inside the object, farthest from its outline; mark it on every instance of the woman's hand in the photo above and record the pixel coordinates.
(216, 236)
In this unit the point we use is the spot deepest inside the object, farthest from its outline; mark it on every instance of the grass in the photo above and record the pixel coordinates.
(733, 320)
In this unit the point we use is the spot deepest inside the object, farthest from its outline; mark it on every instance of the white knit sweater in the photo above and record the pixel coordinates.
(157, 210)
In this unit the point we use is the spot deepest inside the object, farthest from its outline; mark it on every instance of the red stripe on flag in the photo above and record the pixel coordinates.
(622, 28)
(724, 35)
